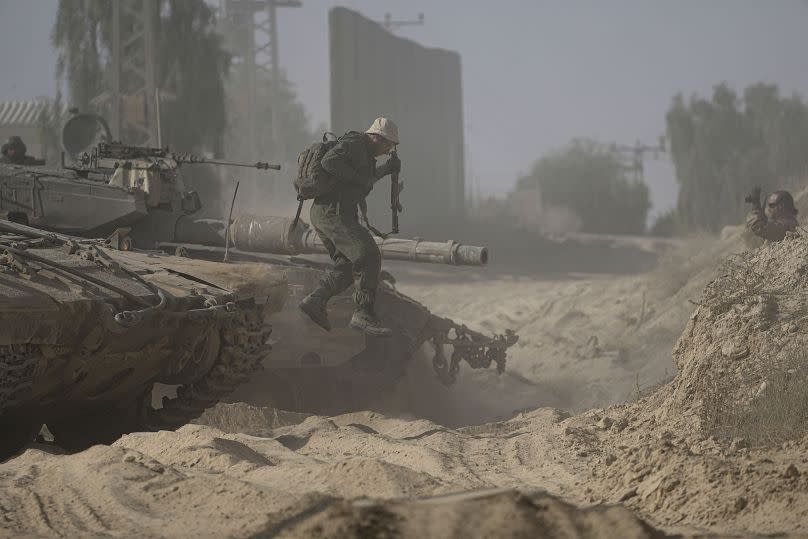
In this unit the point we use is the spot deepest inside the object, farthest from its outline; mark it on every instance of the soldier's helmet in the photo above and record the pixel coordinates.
(13, 142)
(781, 197)
(384, 127)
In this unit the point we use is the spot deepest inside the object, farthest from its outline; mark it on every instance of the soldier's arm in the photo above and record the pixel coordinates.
(383, 170)
(767, 229)
(390, 166)
(342, 161)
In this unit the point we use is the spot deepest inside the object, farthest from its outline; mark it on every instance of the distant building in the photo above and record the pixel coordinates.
(376, 73)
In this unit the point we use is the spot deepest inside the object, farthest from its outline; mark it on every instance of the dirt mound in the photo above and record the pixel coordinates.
(747, 327)
(723, 445)
(248, 419)
(500, 513)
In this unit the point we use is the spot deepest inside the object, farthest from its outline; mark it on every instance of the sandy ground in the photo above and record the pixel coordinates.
(490, 457)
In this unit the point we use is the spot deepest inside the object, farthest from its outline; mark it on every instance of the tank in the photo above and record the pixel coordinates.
(90, 331)
(135, 199)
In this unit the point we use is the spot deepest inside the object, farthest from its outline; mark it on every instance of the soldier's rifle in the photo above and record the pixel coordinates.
(395, 196)
(753, 198)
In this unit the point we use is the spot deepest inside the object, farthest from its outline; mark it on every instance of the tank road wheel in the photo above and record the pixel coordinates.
(243, 346)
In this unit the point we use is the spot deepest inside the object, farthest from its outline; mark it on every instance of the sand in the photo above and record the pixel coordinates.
(519, 455)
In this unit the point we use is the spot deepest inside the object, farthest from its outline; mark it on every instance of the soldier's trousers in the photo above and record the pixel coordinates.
(356, 256)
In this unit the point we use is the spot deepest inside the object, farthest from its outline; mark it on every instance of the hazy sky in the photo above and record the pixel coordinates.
(535, 73)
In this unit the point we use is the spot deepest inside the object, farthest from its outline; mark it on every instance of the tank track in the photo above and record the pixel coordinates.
(243, 345)
(17, 367)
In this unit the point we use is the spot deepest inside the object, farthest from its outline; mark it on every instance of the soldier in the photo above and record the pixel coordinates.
(779, 216)
(335, 218)
(13, 152)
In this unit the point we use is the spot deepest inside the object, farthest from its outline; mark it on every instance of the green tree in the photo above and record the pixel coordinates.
(723, 147)
(294, 123)
(81, 36)
(191, 64)
(589, 179)
(195, 66)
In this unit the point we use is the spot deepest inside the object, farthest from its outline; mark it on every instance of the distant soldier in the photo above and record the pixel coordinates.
(779, 216)
(335, 217)
(13, 152)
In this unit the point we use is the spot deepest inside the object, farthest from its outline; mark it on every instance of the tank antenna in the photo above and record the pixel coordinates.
(229, 222)
(157, 113)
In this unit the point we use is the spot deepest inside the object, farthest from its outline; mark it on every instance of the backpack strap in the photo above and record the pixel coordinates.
(297, 214)
(363, 209)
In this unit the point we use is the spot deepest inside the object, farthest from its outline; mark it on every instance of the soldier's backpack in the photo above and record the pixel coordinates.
(312, 180)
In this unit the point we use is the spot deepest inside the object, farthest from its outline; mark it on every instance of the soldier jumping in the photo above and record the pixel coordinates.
(335, 217)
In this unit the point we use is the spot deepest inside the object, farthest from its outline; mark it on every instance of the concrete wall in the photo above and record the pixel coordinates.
(375, 73)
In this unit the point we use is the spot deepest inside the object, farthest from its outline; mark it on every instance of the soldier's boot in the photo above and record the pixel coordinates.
(364, 319)
(314, 305)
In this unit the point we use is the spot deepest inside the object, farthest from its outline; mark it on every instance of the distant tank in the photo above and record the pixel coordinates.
(87, 332)
(135, 198)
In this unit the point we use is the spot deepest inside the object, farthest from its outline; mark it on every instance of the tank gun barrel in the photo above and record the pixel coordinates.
(415, 250)
(276, 235)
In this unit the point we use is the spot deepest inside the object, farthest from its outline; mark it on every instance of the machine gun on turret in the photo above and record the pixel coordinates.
(107, 157)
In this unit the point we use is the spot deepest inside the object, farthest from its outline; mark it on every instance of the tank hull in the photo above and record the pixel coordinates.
(88, 331)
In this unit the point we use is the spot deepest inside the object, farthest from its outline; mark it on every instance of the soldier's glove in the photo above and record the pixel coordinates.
(393, 165)
(753, 198)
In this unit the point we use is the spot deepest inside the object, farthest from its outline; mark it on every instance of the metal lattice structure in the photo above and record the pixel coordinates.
(132, 101)
(634, 156)
(254, 36)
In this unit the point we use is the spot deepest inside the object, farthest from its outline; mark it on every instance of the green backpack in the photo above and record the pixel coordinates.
(312, 179)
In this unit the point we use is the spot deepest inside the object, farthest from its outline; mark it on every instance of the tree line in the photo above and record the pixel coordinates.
(192, 62)
(720, 147)
(724, 146)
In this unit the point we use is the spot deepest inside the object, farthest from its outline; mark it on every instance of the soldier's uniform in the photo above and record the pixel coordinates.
(773, 227)
(351, 246)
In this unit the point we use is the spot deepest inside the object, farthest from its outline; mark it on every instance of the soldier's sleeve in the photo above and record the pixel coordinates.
(380, 172)
(342, 161)
(762, 227)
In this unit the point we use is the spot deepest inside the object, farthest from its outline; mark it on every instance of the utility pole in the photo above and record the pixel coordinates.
(254, 34)
(635, 156)
(391, 25)
(133, 110)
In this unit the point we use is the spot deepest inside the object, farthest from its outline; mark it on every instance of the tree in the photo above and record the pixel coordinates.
(589, 179)
(291, 115)
(81, 34)
(723, 147)
(192, 64)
